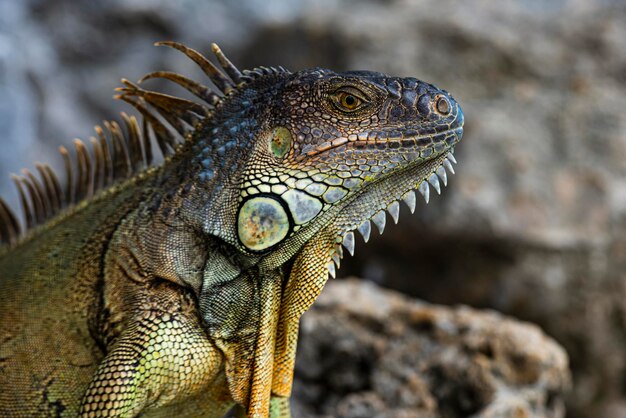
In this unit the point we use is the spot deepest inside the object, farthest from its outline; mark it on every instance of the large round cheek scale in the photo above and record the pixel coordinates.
(262, 223)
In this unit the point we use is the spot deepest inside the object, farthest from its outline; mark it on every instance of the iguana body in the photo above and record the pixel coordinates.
(176, 290)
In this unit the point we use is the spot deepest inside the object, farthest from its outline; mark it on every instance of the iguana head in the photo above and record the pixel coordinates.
(336, 150)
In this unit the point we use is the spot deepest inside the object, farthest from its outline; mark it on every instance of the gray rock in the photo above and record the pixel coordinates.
(368, 352)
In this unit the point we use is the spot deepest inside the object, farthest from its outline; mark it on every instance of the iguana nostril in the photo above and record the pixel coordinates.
(442, 105)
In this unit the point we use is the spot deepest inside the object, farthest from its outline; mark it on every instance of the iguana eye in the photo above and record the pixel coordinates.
(348, 100)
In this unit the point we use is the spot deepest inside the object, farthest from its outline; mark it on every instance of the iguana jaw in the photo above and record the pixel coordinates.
(370, 203)
(384, 197)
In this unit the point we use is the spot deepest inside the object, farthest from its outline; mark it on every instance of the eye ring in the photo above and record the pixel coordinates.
(442, 105)
(348, 100)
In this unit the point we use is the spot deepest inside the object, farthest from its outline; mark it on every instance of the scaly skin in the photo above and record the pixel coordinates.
(179, 292)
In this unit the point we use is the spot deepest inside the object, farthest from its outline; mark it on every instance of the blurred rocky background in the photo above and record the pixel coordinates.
(366, 352)
(533, 225)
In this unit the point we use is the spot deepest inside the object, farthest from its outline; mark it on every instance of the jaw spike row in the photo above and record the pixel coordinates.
(348, 242)
(409, 199)
(394, 211)
(365, 229)
(451, 157)
(331, 269)
(441, 172)
(434, 181)
(380, 219)
(424, 190)
(448, 165)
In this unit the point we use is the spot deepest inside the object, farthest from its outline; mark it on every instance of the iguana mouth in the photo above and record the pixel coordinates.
(364, 139)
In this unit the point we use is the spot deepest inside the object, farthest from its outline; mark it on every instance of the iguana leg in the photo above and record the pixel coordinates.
(159, 358)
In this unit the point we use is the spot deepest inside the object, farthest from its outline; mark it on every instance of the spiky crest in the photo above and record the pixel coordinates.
(119, 153)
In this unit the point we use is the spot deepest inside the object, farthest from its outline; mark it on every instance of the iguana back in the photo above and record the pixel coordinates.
(49, 302)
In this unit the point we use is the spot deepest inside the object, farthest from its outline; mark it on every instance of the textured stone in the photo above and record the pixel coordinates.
(369, 352)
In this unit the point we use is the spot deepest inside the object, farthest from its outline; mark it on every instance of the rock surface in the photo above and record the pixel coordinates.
(533, 224)
(368, 352)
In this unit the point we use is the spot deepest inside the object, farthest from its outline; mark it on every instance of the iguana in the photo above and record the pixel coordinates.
(175, 289)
